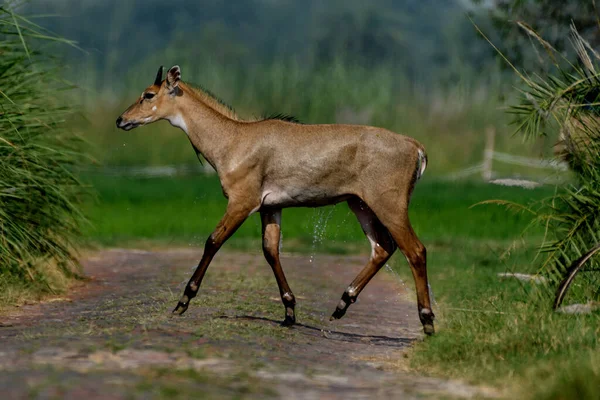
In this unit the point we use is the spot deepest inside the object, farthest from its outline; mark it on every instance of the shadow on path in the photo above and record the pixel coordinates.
(377, 340)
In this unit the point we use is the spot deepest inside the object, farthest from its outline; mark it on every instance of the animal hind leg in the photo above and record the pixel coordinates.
(395, 218)
(271, 232)
(416, 254)
(382, 248)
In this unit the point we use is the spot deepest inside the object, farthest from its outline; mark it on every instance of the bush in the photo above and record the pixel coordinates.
(39, 195)
(566, 101)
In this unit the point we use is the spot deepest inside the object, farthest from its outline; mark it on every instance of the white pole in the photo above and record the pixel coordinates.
(488, 154)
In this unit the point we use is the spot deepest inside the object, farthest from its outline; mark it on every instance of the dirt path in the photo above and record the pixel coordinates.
(114, 337)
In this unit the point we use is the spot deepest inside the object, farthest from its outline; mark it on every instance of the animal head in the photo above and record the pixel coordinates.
(156, 102)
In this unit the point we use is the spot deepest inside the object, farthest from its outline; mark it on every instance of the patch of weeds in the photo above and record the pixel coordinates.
(115, 345)
(32, 347)
(228, 328)
(17, 292)
(577, 379)
(51, 386)
(89, 348)
(195, 351)
(307, 315)
(252, 296)
(184, 384)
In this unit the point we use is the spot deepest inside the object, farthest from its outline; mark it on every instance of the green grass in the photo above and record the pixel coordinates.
(185, 210)
(39, 196)
(496, 331)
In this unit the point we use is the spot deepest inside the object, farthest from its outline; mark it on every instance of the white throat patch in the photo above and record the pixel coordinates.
(178, 122)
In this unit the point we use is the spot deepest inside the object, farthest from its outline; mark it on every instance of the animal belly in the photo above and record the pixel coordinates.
(313, 197)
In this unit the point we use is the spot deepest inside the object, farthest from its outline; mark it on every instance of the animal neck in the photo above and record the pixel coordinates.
(211, 132)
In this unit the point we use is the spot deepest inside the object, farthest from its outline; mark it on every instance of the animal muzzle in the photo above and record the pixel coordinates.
(126, 125)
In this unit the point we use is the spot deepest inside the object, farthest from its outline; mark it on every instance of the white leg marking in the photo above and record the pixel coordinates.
(365, 221)
(351, 291)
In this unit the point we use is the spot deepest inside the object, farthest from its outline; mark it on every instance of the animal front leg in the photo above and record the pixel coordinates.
(234, 217)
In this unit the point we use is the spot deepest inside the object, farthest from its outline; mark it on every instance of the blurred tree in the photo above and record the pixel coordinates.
(421, 39)
(551, 19)
(367, 38)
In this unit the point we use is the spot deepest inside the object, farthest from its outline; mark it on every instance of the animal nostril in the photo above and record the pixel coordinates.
(119, 120)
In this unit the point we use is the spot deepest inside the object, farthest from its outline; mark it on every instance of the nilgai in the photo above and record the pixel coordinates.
(269, 164)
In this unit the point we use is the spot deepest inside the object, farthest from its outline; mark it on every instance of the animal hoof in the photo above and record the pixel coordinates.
(288, 321)
(428, 329)
(337, 314)
(340, 310)
(180, 309)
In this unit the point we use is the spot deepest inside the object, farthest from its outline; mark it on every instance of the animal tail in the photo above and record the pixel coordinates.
(421, 163)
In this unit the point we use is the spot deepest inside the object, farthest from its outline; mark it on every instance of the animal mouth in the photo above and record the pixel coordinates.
(129, 126)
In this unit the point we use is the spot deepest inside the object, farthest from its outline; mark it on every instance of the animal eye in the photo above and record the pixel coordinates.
(148, 95)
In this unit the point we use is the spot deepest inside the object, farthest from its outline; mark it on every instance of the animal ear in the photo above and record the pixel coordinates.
(173, 77)
(159, 74)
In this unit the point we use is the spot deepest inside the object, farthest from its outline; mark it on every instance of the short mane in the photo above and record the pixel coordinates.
(282, 117)
(214, 102)
(211, 100)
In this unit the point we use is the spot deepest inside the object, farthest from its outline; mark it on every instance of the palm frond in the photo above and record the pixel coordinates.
(565, 104)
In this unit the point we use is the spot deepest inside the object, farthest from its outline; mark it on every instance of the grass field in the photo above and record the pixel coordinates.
(185, 210)
(490, 331)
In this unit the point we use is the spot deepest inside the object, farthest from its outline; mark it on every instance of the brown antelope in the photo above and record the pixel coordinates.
(267, 165)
